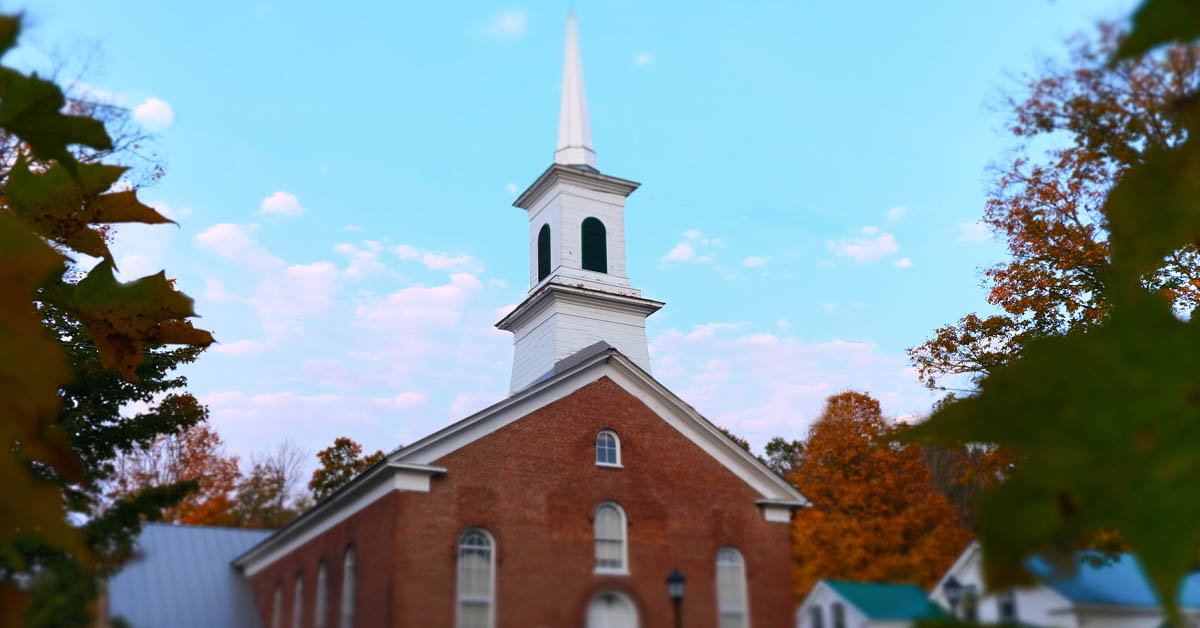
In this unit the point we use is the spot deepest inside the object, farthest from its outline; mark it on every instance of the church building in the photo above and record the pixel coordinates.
(571, 502)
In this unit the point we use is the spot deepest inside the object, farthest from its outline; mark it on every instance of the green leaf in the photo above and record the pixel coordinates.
(31, 108)
(121, 316)
(1103, 428)
(1155, 209)
(10, 27)
(1159, 22)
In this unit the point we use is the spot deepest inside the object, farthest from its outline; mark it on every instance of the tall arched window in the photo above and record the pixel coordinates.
(321, 608)
(731, 589)
(595, 245)
(277, 607)
(298, 601)
(609, 528)
(476, 580)
(543, 252)
(348, 589)
(608, 449)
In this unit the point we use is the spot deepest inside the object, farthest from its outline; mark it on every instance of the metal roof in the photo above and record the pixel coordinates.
(887, 601)
(181, 577)
(1118, 580)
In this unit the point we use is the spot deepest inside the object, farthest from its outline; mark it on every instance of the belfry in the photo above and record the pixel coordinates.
(579, 293)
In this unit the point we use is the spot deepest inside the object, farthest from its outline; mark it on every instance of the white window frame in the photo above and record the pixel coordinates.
(623, 570)
(722, 609)
(459, 598)
(346, 618)
(298, 601)
(321, 605)
(616, 444)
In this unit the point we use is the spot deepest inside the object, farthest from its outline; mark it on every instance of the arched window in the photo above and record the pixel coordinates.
(476, 580)
(298, 601)
(609, 526)
(839, 615)
(608, 449)
(322, 591)
(543, 252)
(277, 607)
(731, 589)
(595, 246)
(348, 589)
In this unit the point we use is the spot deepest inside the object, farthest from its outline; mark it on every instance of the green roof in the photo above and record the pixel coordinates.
(881, 600)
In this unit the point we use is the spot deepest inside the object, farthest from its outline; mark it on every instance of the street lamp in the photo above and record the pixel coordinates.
(675, 583)
(954, 592)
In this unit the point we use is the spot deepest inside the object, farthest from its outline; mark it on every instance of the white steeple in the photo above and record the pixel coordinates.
(574, 132)
(579, 293)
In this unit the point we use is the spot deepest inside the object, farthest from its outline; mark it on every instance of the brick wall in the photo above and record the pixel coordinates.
(534, 485)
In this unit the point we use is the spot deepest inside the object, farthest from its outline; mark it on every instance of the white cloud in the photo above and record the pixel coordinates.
(755, 261)
(683, 252)
(417, 306)
(352, 228)
(872, 246)
(896, 214)
(439, 261)
(760, 385)
(903, 262)
(508, 25)
(512, 188)
(364, 262)
(692, 234)
(644, 58)
(154, 114)
(469, 403)
(283, 203)
(973, 232)
(236, 244)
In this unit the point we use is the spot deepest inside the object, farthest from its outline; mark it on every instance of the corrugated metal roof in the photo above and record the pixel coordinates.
(182, 578)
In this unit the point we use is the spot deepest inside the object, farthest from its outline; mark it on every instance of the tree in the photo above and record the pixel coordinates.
(340, 462)
(1048, 206)
(1101, 420)
(875, 514)
(58, 200)
(741, 442)
(195, 455)
(783, 455)
(266, 497)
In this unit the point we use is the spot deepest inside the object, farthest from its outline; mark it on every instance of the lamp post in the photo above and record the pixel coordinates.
(675, 583)
(954, 592)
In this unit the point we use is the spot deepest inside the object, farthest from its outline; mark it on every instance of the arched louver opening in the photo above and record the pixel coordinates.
(543, 252)
(595, 246)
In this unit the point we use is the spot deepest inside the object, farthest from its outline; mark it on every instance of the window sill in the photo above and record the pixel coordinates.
(609, 465)
(602, 571)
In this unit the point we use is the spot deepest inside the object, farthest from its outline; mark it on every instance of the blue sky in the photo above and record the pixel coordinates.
(342, 176)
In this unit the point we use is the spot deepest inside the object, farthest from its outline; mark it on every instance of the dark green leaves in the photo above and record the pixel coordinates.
(1159, 22)
(31, 108)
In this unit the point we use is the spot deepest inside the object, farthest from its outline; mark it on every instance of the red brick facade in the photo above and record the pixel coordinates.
(534, 485)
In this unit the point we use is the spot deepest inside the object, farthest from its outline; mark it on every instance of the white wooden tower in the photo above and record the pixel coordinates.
(579, 293)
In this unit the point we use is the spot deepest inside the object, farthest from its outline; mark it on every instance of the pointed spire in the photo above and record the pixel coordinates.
(574, 132)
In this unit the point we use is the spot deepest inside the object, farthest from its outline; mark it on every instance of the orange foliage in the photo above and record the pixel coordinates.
(876, 514)
(193, 455)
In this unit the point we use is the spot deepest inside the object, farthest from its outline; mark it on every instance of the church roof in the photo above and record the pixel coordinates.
(181, 577)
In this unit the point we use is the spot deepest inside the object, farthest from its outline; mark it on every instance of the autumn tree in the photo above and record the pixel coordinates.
(875, 513)
(195, 455)
(58, 200)
(266, 495)
(340, 462)
(1047, 205)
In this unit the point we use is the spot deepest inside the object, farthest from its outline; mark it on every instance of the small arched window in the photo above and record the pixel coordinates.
(298, 601)
(731, 589)
(609, 528)
(595, 245)
(348, 589)
(543, 259)
(476, 580)
(277, 607)
(608, 449)
(321, 608)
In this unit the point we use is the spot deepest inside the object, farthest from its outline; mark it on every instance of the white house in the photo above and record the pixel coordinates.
(1097, 595)
(843, 604)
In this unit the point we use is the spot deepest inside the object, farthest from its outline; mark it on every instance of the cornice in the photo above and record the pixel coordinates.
(584, 178)
(550, 292)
